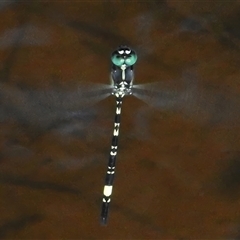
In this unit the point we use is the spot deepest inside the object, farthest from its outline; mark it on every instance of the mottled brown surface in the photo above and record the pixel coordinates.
(178, 169)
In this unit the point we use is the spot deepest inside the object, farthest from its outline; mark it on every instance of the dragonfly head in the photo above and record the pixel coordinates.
(124, 56)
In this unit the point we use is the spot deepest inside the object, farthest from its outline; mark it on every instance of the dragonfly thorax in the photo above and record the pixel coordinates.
(122, 89)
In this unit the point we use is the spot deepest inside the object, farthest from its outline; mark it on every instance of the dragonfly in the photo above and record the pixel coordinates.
(122, 76)
(45, 109)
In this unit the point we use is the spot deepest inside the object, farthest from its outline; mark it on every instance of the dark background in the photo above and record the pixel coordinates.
(178, 168)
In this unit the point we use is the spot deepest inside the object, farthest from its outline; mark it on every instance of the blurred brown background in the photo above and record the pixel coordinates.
(178, 169)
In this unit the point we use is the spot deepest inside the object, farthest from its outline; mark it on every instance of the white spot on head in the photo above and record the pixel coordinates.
(121, 51)
(123, 67)
(127, 51)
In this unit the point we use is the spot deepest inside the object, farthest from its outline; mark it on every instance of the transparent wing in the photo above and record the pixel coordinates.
(44, 107)
(190, 99)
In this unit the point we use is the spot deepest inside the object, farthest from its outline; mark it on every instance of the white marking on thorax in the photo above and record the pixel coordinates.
(123, 67)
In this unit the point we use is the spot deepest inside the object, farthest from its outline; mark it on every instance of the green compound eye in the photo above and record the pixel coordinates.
(131, 59)
(117, 60)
